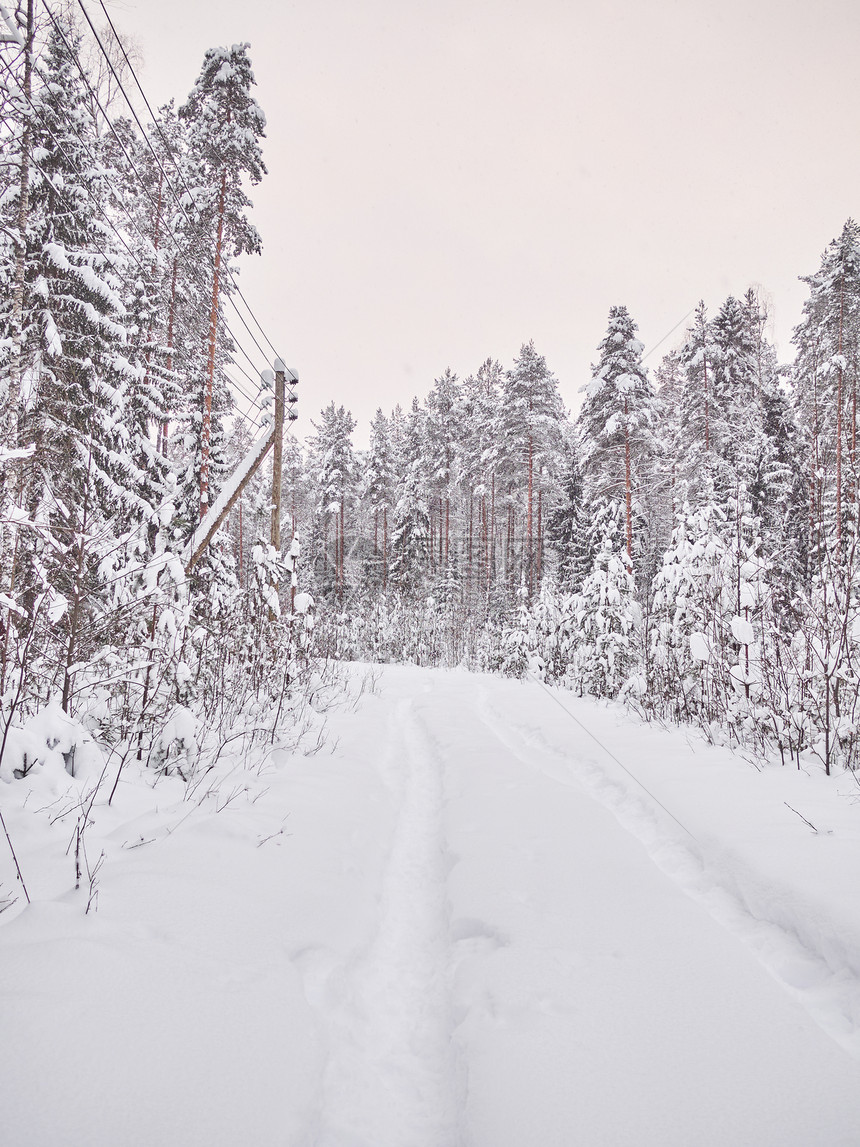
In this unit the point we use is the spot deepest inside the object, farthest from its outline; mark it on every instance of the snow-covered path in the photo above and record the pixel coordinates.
(391, 1076)
(464, 941)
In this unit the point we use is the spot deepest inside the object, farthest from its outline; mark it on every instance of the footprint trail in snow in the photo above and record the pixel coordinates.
(391, 1079)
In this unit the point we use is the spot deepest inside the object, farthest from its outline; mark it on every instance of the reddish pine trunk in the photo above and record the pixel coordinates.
(342, 552)
(485, 539)
(839, 423)
(13, 480)
(539, 536)
(241, 500)
(529, 539)
(170, 325)
(206, 429)
(384, 547)
(491, 553)
(469, 561)
(628, 492)
(707, 411)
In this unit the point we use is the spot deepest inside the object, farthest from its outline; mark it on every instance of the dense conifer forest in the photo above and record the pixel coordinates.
(686, 543)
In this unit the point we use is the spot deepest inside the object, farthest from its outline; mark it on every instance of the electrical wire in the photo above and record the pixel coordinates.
(142, 183)
(668, 333)
(176, 165)
(110, 260)
(157, 158)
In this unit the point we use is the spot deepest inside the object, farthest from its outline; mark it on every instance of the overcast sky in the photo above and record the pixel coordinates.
(449, 179)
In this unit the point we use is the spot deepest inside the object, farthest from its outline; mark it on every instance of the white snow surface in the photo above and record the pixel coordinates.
(461, 923)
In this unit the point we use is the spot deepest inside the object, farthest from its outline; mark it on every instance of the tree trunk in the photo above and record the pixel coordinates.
(241, 540)
(628, 492)
(707, 406)
(13, 479)
(171, 320)
(206, 429)
(839, 421)
(529, 540)
(384, 548)
(77, 598)
(342, 553)
(469, 561)
(539, 551)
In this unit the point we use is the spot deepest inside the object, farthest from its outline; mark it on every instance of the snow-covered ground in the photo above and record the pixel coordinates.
(462, 922)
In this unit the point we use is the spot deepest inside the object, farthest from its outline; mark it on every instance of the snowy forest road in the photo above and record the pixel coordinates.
(457, 943)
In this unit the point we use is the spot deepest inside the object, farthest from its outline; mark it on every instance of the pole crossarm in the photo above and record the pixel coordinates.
(10, 33)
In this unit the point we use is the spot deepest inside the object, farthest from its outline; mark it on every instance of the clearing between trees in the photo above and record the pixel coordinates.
(460, 922)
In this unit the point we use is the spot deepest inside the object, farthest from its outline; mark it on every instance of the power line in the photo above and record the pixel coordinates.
(177, 167)
(159, 163)
(110, 260)
(668, 333)
(142, 183)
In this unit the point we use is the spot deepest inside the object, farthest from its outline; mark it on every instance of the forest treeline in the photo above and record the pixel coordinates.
(687, 543)
(120, 372)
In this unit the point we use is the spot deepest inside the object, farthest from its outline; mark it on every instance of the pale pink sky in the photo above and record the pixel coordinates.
(450, 179)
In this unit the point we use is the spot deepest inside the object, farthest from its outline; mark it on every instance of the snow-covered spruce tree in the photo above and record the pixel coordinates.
(699, 423)
(607, 616)
(691, 611)
(568, 529)
(16, 86)
(410, 539)
(616, 423)
(542, 637)
(333, 466)
(225, 125)
(378, 493)
(81, 478)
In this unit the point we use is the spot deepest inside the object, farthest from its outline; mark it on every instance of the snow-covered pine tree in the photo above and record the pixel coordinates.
(225, 125)
(482, 447)
(442, 416)
(825, 377)
(531, 417)
(333, 466)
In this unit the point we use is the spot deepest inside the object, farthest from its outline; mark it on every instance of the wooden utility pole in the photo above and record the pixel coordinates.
(278, 456)
(219, 509)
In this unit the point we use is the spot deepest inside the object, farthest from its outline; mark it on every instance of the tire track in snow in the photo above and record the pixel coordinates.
(391, 1080)
(829, 992)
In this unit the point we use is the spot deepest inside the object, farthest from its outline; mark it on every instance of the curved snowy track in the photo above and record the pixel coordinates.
(391, 1076)
(458, 937)
(593, 1001)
